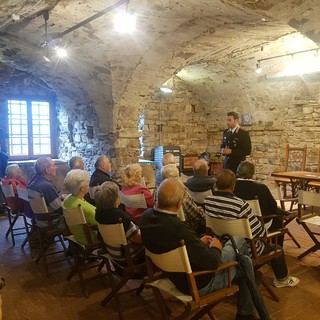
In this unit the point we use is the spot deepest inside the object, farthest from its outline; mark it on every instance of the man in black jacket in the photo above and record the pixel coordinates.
(236, 143)
(162, 230)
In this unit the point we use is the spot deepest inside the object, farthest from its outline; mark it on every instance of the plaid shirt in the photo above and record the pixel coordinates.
(194, 215)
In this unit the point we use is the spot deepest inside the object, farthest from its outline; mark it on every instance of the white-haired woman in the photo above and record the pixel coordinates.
(77, 183)
(132, 179)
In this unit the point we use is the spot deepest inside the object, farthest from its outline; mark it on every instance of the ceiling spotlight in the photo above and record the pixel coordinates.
(61, 52)
(124, 22)
(166, 90)
(258, 68)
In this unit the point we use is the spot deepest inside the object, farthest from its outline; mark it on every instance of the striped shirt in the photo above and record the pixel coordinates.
(225, 205)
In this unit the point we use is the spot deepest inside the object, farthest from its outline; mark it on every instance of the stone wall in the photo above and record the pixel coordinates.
(282, 111)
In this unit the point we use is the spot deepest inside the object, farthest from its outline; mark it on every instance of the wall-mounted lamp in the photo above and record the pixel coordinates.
(258, 64)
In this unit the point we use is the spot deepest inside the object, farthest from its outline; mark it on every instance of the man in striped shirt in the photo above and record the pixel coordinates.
(225, 205)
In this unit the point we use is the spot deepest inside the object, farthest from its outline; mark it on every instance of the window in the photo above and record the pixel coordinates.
(29, 129)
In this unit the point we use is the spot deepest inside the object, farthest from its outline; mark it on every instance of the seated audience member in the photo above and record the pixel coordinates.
(41, 184)
(132, 184)
(101, 174)
(14, 176)
(76, 162)
(167, 158)
(200, 182)
(194, 215)
(162, 231)
(77, 182)
(107, 212)
(225, 205)
(102, 171)
(247, 189)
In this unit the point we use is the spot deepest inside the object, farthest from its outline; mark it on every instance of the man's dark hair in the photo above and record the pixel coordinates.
(225, 180)
(233, 114)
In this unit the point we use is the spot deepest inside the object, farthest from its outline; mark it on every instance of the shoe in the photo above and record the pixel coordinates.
(289, 282)
(243, 317)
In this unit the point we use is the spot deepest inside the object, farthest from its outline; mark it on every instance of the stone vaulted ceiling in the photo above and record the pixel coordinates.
(113, 69)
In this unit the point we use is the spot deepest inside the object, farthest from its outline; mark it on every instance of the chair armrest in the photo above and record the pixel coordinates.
(220, 268)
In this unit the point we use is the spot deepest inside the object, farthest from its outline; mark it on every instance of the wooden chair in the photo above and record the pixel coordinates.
(177, 260)
(14, 214)
(23, 196)
(241, 228)
(255, 207)
(113, 235)
(295, 160)
(47, 233)
(278, 195)
(309, 217)
(83, 253)
(133, 201)
(315, 185)
(198, 197)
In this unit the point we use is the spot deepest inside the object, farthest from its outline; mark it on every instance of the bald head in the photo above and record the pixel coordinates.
(170, 194)
(168, 158)
(200, 168)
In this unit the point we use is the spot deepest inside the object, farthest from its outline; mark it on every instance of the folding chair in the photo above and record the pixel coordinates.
(83, 253)
(277, 194)
(308, 203)
(315, 185)
(113, 235)
(241, 228)
(133, 201)
(13, 213)
(295, 160)
(47, 232)
(177, 260)
(198, 197)
(256, 210)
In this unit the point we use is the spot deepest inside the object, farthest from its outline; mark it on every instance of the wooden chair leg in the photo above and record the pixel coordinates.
(270, 291)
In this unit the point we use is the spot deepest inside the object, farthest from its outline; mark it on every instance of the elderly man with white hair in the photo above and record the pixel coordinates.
(41, 185)
(77, 182)
(194, 215)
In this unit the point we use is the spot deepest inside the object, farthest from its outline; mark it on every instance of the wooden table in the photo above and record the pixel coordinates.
(298, 179)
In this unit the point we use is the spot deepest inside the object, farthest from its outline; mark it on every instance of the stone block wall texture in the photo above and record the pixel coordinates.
(281, 111)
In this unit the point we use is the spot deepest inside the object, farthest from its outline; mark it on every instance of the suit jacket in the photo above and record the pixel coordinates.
(240, 144)
(250, 190)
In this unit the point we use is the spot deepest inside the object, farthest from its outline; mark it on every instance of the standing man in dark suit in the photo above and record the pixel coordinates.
(236, 143)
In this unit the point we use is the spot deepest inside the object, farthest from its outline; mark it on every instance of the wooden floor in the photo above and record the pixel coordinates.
(28, 294)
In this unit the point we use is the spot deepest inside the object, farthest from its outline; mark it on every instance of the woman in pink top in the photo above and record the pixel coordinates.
(132, 185)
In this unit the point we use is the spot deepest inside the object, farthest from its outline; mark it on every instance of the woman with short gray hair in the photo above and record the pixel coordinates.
(77, 182)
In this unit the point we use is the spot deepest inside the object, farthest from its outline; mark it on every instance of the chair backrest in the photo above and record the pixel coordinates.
(176, 260)
(234, 227)
(308, 198)
(113, 234)
(133, 201)
(8, 190)
(256, 210)
(295, 159)
(255, 207)
(74, 216)
(23, 194)
(38, 205)
(199, 197)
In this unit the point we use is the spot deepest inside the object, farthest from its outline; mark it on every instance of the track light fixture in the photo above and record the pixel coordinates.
(258, 64)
